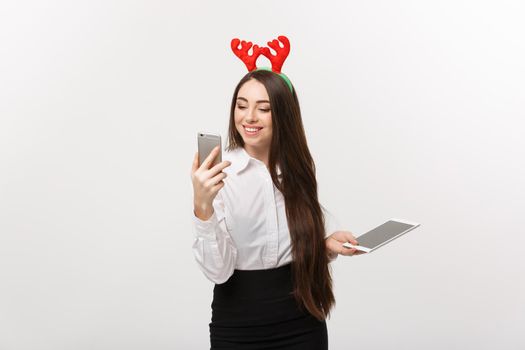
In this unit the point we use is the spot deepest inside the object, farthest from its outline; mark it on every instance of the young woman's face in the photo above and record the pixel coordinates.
(253, 116)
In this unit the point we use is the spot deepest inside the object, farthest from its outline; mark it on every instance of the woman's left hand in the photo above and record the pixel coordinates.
(334, 243)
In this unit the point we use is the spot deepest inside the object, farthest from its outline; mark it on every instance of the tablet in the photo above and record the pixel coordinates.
(382, 234)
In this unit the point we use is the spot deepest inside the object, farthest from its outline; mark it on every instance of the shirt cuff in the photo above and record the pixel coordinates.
(206, 228)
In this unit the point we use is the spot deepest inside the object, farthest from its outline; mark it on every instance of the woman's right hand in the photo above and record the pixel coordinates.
(206, 183)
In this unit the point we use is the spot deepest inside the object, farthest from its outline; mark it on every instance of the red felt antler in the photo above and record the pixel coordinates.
(281, 52)
(242, 53)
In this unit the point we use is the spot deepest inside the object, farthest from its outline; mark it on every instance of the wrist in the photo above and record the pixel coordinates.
(203, 211)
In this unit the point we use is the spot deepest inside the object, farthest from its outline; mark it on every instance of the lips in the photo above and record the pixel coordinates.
(252, 130)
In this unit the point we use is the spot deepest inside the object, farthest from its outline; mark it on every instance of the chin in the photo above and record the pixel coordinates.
(256, 143)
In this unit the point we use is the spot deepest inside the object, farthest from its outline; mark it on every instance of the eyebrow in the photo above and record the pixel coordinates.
(259, 101)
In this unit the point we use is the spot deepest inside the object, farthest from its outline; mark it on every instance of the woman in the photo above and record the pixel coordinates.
(260, 230)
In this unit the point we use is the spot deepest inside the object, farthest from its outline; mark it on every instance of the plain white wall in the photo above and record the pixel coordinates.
(413, 109)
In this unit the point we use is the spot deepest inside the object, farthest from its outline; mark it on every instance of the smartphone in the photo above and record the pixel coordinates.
(206, 143)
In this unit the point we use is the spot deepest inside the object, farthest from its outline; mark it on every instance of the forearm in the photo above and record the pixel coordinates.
(214, 250)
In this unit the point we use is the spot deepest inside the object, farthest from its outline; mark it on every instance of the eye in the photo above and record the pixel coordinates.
(241, 107)
(264, 110)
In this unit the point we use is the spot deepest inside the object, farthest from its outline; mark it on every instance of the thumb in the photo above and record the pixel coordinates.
(350, 238)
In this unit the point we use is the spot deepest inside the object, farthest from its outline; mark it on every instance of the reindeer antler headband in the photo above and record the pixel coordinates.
(277, 60)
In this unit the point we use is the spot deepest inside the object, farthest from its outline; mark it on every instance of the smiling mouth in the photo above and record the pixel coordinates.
(251, 130)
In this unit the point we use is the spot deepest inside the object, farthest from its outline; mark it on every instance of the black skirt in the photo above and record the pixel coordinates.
(255, 309)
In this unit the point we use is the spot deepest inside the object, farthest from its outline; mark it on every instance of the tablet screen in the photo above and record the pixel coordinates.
(382, 233)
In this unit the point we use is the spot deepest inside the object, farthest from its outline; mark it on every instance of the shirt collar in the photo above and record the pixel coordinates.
(241, 159)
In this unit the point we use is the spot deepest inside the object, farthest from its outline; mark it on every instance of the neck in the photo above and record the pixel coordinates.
(258, 153)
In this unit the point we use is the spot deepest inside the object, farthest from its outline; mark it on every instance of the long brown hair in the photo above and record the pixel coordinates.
(289, 150)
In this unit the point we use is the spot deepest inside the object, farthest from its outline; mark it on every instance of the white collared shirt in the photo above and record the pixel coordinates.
(248, 229)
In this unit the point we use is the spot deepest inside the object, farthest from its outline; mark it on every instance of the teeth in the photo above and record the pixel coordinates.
(251, 129)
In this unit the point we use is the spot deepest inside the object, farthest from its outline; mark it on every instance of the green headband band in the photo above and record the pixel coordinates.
(282, 75)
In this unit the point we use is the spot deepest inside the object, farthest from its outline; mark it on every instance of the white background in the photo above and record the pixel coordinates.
(412, 109)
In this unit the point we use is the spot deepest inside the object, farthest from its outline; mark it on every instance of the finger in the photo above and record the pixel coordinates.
(207, 162)
(351, 238)
(216, 179)
(219, 167)
(348, 251)
(337, 235)
(195, 164)
(344, 236)
(218, 186)
(333, 245)
(338, 247)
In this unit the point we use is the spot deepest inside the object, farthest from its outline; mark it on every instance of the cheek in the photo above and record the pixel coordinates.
(238, 125)
(237, 119)
(268, 122)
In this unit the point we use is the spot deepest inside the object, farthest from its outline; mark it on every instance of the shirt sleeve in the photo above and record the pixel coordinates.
(213, 247)
(331, 225)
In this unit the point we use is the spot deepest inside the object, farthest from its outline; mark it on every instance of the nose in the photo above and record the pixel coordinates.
(250, 115)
